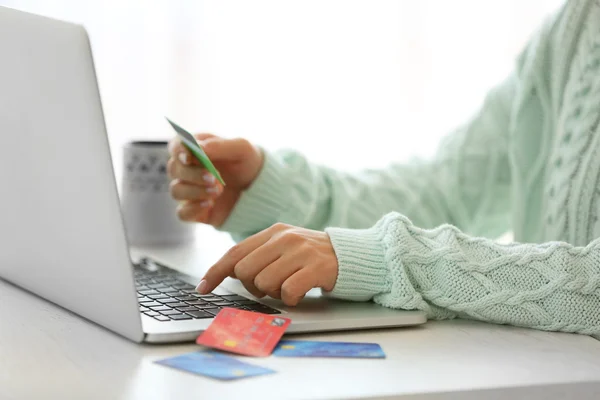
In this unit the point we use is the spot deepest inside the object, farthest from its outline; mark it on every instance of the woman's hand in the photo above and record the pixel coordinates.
(238, 161)
(283, 261)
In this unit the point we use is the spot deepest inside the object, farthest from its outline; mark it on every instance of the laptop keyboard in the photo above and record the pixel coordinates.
(163, 296)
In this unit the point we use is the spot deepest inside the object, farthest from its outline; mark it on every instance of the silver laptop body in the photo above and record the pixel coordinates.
(61, 231)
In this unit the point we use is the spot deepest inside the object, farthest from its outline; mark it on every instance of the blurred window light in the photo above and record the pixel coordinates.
(380, 80)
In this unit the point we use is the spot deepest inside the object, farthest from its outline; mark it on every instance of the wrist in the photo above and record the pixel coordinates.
(259, 164)
(261, 204)
(362, 271)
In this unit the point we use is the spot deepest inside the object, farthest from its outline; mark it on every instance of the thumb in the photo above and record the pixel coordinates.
(220, 149)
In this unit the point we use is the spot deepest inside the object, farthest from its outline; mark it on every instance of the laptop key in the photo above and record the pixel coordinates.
(162, 318)
(196, 302)
(142, 309)
(166, 289)
(203, 306)
(157, 296)
(144, 299)
(180, 317)
(153, 304)
(258, 306)
(222, 303)
(156, 285)
(147, 292)
(199, 314)
(182, 285)
(189, 308)
(168, 301)
(265, 310)
(212, 299)
(151, 313)
(141, 287)
(213, 311)
(247, 302)
(233, 297)
(271, 311)
(185, 298)
(160, 308)
(169, 282)
(170, 312)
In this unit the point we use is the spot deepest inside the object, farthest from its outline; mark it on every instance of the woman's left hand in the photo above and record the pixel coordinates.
(283, 261)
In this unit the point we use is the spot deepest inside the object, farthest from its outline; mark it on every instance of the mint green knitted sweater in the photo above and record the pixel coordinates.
(420, 236)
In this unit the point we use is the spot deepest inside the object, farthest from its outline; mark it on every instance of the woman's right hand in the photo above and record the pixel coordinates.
(202, 198)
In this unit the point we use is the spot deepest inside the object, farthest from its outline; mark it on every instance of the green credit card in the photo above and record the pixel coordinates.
(190, 142)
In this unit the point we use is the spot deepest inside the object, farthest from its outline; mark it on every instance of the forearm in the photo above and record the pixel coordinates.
(551, 286)
(467, 184)
(292, 190)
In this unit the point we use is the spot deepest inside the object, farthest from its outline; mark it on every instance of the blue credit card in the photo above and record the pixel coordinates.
(214, 365)
(305, 348)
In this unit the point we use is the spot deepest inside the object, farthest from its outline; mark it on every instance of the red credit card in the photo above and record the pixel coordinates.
(244, 332)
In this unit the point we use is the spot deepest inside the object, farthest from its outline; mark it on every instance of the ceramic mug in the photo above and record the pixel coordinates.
(149, 211)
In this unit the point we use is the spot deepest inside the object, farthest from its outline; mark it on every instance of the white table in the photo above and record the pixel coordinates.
(47, 353)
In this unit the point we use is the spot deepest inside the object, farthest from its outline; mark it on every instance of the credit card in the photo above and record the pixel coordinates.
(305, 348)
(244, 332)
(214, 365)
(190, 142)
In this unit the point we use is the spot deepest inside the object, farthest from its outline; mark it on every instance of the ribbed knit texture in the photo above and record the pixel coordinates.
(420, 236)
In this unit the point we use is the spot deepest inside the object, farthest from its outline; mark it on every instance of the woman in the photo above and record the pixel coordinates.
(415, 237)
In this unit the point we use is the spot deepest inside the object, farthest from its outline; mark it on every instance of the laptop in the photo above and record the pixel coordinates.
(61, 227)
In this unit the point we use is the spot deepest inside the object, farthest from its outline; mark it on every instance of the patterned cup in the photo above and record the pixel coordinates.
(148, 209)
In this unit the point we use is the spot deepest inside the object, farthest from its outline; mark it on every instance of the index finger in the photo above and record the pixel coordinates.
(225, 266)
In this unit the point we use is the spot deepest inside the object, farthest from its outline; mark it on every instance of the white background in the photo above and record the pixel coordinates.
(350, 83)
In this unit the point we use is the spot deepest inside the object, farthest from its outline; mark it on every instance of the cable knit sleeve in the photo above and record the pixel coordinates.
(467, 184)
(552, 286)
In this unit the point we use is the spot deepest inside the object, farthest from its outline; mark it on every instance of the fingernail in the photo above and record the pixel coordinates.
(205, 203)
(212, 189)
(201, 288)
(183, 157)
(209, 178)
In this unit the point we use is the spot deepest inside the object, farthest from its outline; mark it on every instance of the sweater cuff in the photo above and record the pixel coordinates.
(362, 271)
(261, 204)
